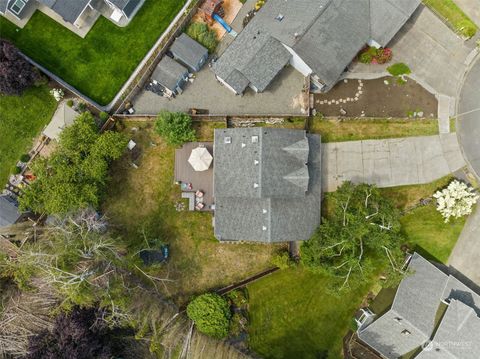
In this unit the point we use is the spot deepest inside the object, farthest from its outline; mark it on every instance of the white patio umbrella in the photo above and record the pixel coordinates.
(200, 159)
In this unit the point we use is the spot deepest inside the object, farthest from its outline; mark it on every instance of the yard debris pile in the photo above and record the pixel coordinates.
(243, 122)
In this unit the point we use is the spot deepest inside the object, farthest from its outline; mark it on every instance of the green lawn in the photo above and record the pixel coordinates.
(429, 235)
(21, 119)
(292, 315)
(100, 64)
(355, 129)
(454, 15)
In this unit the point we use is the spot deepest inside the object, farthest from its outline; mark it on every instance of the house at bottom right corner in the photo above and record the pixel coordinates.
(433, 316)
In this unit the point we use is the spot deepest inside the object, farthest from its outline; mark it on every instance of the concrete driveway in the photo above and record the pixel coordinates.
(468, 127)
(284, 96)
(434, 53)
(390, 162)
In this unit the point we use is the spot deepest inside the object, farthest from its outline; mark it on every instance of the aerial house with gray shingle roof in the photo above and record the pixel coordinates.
(433, 316)
(267, 184)
(171, 75)
(319, 38)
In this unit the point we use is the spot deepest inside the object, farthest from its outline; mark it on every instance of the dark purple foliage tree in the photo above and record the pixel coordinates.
(76, 335)
(16, 74)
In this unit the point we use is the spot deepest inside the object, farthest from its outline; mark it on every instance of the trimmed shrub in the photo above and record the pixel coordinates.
(399, 69)
(70, 103)
(25, 157)
(211, 315)
(175, 127)
(17, 170)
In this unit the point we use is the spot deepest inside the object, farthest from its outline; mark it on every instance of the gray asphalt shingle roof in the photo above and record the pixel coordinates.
(169, 73)
(9, 213)
(326, 34)
(415, 309)
(127, 6)
(69, 10)
(262, 181)
(189, 51)
(3, 6)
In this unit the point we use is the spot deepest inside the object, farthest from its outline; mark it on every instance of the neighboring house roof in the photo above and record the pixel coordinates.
(415, 309)
(69, 10)
(190, 52)
(326, 34)
(63, 117)
(169, 72)
(127, 6)
(9, 213)
(263, 178)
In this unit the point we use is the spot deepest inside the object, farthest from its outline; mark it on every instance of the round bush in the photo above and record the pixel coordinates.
(70, 103)
(25, 157)
(104, 116)
(365, 58)
(17, 170)
(211, 315)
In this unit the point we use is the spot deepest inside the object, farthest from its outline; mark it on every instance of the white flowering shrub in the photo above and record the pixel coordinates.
(57, 94)
(457, 200)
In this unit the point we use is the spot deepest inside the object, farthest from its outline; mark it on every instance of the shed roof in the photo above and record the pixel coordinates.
(9, 213)
(169, 72)
(127, 6)
(263, 177)
(188, 50)
(63, 117)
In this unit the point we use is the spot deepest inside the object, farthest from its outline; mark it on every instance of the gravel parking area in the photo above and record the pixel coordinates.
(285, 96)
(383, 97)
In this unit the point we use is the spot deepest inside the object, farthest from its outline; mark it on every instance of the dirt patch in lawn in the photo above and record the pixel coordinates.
(383, 97)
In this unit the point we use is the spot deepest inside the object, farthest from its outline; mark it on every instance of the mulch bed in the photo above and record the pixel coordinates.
(383, 98)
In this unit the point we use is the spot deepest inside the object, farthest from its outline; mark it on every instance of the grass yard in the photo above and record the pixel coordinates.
(205, 129)
(21, 119)
(292, 315)
(101, 63)
(429, 235)
(454, 15)
(141, 201)
(363, 129)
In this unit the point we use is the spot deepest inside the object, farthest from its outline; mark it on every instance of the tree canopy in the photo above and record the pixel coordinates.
(360, 237)
(16, 74)
(175, 127)
(74, 176)
(211, 314)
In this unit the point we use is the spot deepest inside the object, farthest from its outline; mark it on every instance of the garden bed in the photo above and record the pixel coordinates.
(384, 97)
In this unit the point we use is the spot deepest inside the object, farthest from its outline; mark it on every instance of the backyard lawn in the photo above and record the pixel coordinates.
(363, 129)
(100, 64)
(21, 119)
(140, 204)
(454, 15)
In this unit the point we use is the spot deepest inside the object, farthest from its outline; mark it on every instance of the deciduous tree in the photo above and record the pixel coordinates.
(16, 74)
(211, 314)
(175, 127)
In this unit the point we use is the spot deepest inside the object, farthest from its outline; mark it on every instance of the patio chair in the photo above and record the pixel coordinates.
(199, 194)
(199, 206)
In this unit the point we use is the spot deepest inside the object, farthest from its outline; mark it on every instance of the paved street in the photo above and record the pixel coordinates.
(432, 51)
(466, 254)
(391, 162)
(469, 118)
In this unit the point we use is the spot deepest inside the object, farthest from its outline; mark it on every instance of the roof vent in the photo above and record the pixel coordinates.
(255, 185)
(254, 139)
(398, 319)
(243, 145)
(296, 35)
(264, 211)
(228, 139)
(264, 228)
(406, 332)
(256, 162)
(279, 17)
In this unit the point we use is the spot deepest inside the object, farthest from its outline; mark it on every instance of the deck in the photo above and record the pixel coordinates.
(184, 172)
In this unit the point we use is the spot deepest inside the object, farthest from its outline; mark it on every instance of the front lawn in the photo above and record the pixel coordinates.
(429, 235)
(364, 129)
(454, 15)
(21, 119)
(101, 63)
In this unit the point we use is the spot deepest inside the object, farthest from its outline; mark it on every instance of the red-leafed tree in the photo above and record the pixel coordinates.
(16, 74)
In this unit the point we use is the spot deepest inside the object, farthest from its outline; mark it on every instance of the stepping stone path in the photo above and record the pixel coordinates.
(348, 99)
